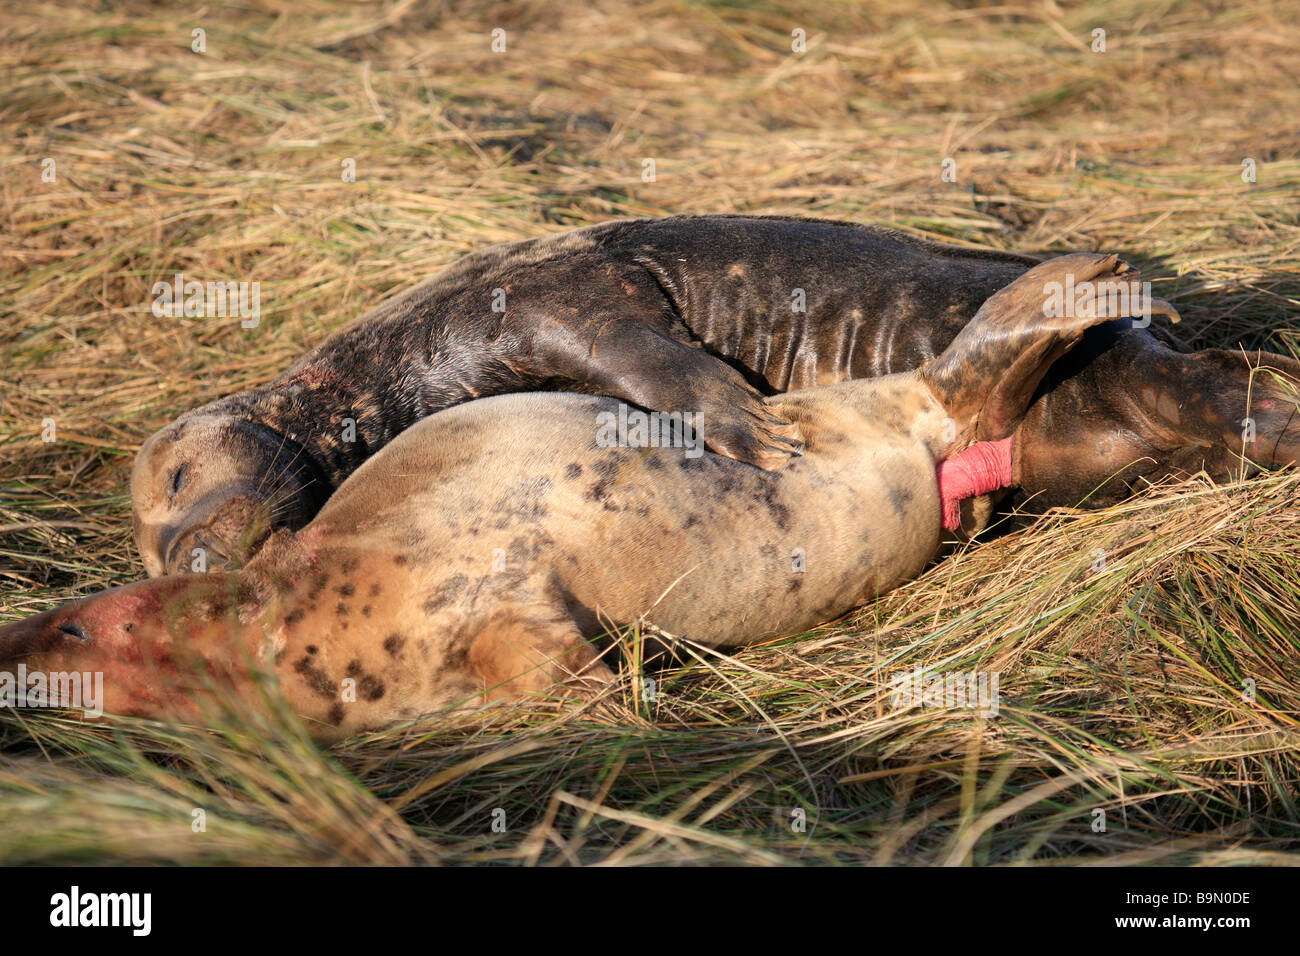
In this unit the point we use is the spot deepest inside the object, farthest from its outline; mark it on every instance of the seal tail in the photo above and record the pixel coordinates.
(987, 376)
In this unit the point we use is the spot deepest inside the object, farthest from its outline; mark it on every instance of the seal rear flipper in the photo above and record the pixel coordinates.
(987, 376)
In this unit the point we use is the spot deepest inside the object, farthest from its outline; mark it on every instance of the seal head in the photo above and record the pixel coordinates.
(164, 646)
(210, 488)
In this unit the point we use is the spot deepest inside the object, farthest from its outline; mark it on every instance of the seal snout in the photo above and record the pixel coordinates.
(149, 644)
(197, 549)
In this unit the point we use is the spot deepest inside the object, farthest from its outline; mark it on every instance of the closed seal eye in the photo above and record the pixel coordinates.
(73, 630)
(177, 482)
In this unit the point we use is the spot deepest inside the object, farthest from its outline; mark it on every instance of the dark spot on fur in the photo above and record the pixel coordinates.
(525, 502)
(315, 677)
(217, 605)
(393, 643)
(899, 498)
(371, 688)
(294, 616)
(455, 656)
(524, 549)
(780, 513)
(346, 590)
(341, 609)
(312, 648)
(572, 470)
(365, 610)
(336, 714)
(445, 593)
(350, 564)
(399, 559)
(375, 589)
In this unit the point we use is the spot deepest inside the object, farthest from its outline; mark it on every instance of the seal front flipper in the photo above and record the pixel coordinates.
(633, 360)
(987, 376)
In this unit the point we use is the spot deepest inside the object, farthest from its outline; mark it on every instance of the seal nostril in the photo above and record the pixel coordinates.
(73, 630)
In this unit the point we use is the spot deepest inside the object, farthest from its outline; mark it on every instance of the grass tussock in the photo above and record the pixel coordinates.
(1146, 653)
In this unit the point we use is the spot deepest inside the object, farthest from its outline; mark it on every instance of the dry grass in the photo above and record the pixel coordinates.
(1121, 688)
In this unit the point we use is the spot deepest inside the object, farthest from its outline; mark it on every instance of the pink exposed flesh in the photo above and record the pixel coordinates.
(981, 468)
